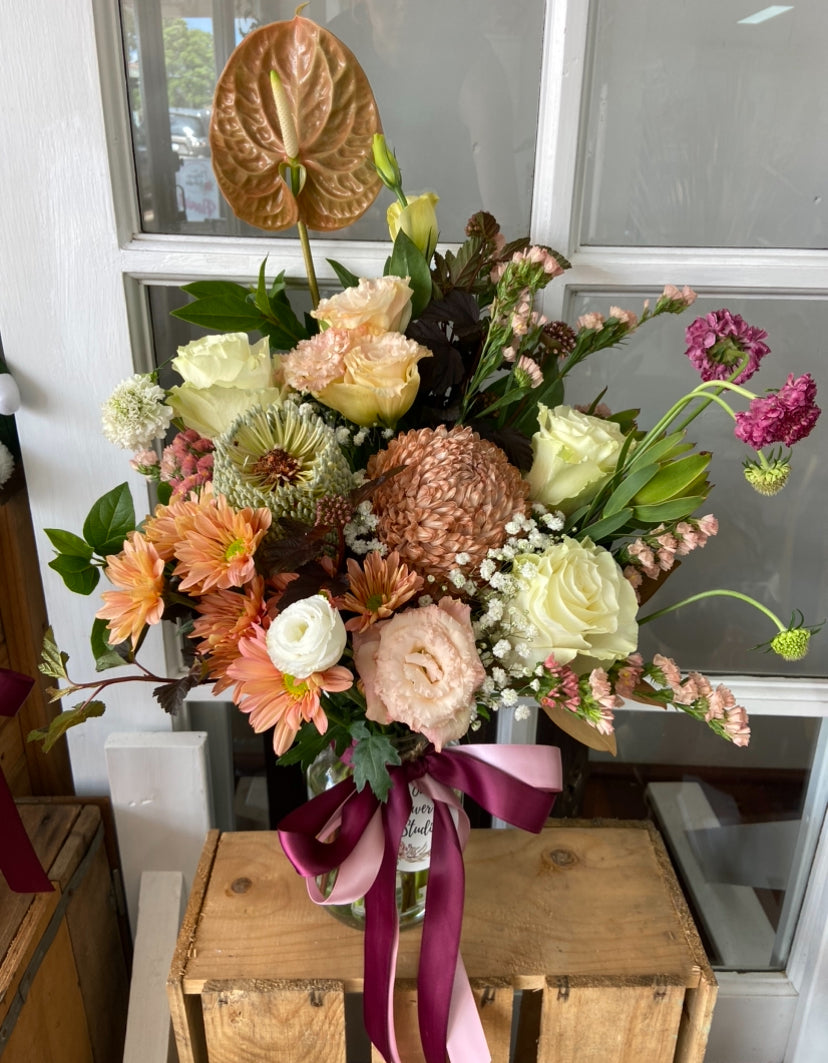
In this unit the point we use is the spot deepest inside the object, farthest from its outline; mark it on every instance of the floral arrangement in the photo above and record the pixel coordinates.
(384, 520)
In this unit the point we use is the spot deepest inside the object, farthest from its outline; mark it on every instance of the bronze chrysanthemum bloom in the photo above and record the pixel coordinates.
(454, 496)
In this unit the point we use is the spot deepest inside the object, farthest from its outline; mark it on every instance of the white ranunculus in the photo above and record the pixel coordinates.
(308, 636)
(227, 361)
(577, 605)
(574, 456)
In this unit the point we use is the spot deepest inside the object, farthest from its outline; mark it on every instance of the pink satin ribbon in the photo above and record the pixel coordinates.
(517, 784)
(18, 860)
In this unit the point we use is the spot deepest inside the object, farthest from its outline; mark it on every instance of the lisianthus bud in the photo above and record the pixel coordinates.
(418, 221)
(386, 164)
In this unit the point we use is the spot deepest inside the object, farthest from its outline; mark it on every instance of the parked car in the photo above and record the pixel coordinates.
(188, 132)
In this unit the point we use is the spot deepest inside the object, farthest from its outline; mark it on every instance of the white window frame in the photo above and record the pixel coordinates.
(72, 311)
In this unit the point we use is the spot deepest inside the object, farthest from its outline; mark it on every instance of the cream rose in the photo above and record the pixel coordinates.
(227, 361)
(380, 379)
(306, 637)
(574, 456)
(382, 304)
(421, 668)
(211, 411)
(577, 604)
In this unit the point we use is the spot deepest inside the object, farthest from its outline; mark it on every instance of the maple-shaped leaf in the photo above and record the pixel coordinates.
(294, 545)
(312, 579)
(170, 696)
(334, 114)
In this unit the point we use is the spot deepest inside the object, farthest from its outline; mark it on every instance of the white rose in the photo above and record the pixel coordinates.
(580, 607)
(382, 304)
(308, 636)
(211, 411)
(226, 361)
(574, 456)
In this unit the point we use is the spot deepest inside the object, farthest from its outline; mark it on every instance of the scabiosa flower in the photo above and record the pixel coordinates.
(559, 338)
(138, 574)
(718, 342)
(135, 413)
(284, 458)
(187, 462)
(768, 477)
(217, 551)
(454, 495)
(273, 699)
(6, 463)
(378, 587)
(785, 416)
(791, 644)
(226, 616)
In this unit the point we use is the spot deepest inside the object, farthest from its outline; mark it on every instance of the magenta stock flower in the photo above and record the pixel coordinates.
(785, 416)
(718, 342)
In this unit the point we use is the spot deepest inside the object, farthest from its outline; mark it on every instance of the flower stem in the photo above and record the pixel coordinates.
(718, 593)
(309, 270)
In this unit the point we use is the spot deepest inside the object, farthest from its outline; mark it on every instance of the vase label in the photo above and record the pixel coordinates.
(415, 844)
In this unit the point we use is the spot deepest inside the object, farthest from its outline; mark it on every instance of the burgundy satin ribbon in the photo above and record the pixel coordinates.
(517, 784)
(18, 860)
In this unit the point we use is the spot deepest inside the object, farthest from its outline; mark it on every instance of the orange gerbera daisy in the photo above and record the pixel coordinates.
(382, 585)
(138, 573)
(217, 551)
(227, 616)
(273, 698)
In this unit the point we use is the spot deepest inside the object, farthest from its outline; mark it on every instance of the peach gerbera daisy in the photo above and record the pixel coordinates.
(217, 551)
(169, 524)
(138, 573)
(227, 616)
(379, 587)
(274, 699)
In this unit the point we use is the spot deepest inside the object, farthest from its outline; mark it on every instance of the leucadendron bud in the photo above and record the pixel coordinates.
(418, 221)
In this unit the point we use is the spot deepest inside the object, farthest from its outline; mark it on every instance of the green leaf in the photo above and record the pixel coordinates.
(675, 509)
(52, 660)
(163, 492)
(208, 289)
(628, 487)
(673, 479)
(106, 655)
(370, 758)
(68, 543)
(223, 313)
(603, 528)
(407, 260)
(346, 278)
(109, 520)
(260, 296)
(670, 446)
(61, 724)
(78, 574)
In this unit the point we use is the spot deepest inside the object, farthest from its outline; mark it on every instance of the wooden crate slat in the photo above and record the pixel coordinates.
(613, 1024)
(275, 1023)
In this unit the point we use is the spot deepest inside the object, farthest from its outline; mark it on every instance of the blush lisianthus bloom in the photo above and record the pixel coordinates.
(138, 574)
(136, 413)
(381, 304)
(575, 605)
(308, 636)
(785, 416)
(719, 341)
(574, 456)
(369, 377)
(272, 698)
(421, 668)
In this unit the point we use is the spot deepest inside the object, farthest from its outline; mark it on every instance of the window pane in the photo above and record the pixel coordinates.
(773, 549)
(462, 124)
(698, 132)
(738, 822)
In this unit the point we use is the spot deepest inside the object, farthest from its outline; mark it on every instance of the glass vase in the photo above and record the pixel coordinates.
(415, 846)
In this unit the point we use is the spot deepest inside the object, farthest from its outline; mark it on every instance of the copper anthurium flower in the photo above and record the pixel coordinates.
(328, 119)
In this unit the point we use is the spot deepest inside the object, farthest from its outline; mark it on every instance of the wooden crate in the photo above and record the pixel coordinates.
(577, 941)
(64, 985)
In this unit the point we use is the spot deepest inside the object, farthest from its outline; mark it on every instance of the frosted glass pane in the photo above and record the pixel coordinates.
(702, 130)
(773, 549)
(456, 84)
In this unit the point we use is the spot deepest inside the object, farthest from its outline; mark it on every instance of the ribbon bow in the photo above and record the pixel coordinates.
(517, 784)
(18, 860)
